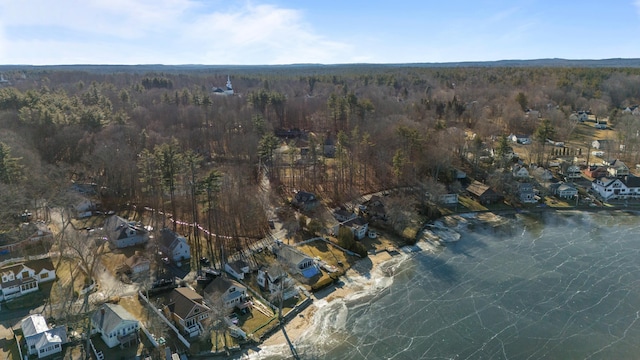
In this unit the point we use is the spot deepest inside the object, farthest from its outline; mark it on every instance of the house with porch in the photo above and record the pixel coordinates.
(173, 246)
(230, 293)
(564, 190)
(23, 278)
(572, 172)
(187, 310)
(40, 339)
(123, 233)
(117, 327)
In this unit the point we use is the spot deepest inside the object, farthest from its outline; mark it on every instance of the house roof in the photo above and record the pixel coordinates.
(304, 196)
(477, 188)
(343, 213)
(14, 269)
(33, 324)
(291, 255)
(39, 265)
(109, 316)
(37, 333)
(183, 300)
(168, 238)
(118, 228)
(617, 164)
(632, 181)
(238, 265)
(566, 187)
(356, 222)
(221, 285)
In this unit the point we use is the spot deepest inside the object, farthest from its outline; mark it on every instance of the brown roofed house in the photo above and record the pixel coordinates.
(187, 310)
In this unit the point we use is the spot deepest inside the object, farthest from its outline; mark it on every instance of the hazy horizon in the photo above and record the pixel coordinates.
(285, 32)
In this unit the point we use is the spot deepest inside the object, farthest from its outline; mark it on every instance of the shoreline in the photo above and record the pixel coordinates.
(298, 326)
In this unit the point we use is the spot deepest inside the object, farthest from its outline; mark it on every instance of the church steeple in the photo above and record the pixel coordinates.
(229, 87)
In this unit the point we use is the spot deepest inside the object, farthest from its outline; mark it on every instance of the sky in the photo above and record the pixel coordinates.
(263, 32)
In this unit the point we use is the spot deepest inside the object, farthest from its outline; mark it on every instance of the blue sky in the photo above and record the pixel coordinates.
(217, 32)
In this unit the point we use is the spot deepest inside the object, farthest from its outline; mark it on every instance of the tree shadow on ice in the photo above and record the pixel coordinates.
(438, 267)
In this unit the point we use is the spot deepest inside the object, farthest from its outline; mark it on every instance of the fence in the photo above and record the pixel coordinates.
(163, 318)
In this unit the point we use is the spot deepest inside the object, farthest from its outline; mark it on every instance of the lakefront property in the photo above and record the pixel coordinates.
(152, 214)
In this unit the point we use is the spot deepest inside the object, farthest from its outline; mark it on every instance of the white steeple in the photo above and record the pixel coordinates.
(229, 87)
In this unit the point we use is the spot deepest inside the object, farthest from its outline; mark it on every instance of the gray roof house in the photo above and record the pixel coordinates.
(123, 233)
(296, 259)
(115, 325)
(231, 293)
(174, 246)
(40, 339)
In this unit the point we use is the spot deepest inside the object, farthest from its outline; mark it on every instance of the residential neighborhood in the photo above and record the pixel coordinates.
(206, 237)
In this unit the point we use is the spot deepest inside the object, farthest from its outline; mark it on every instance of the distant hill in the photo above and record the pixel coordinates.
(603, 63)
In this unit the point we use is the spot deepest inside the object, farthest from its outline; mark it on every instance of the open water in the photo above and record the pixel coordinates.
(562, 285)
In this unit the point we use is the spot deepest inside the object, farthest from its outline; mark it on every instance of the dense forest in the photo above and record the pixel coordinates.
(162, 139)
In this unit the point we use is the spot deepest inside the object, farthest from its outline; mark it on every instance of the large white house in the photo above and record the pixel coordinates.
(41, 340)
(24, 278)
(612, 188)
(174, 246)
(115, 325)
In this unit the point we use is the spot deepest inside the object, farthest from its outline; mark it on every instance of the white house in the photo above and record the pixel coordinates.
(174, 246)
(40, 339)
(115, 325)
(237, 269)
(358, 227)
(617, 188)
(24, 278)
(273, 280)
(122, 233)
